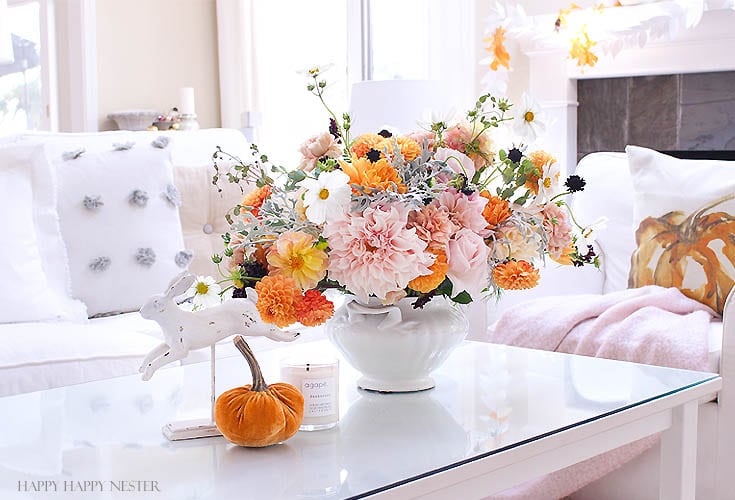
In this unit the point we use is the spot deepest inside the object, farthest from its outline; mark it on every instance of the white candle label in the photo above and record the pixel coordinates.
(320, 397)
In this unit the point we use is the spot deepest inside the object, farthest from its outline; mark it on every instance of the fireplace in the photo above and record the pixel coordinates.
(669, 95)
(692, 111)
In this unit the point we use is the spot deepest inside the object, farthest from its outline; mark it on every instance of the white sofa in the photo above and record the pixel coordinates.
(41, 355)
(609, 192)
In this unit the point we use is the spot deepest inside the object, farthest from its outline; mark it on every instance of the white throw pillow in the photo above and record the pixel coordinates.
(33, 266)
(684, 215)
(118, 208)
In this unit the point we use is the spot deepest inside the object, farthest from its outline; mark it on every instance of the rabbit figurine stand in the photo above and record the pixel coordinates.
(184, 331)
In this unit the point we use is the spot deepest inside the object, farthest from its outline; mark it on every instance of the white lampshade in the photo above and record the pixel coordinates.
(6, 41)
(396, 104)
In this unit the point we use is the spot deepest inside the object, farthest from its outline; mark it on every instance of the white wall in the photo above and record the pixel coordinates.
(147, 50)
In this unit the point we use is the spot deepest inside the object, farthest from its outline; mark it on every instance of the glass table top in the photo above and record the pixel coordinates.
(107, 434)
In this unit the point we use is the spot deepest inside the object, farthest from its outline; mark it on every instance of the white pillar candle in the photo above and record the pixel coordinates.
(318, 381)
(186, 96)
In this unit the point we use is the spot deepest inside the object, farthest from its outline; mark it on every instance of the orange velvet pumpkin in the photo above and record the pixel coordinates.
(258, 415)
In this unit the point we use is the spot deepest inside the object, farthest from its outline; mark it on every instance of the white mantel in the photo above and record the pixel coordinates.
(708, 47)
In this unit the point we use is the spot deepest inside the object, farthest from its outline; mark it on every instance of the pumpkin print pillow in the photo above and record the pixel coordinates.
(684, 217)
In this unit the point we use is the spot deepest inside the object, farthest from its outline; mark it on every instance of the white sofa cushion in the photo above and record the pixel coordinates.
(608, 193)
(35, 275)
(34, 356)
(118, 209)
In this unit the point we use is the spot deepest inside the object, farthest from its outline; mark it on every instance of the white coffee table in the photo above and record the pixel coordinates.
(497, 417)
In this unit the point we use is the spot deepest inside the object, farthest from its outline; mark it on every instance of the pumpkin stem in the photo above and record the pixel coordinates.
(259, 384)
(694, 217)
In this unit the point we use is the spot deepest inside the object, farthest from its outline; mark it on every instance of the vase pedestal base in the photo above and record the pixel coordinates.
(413, 385)
(190, 429)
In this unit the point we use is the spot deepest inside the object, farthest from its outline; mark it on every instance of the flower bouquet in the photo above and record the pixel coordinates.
(439, 212)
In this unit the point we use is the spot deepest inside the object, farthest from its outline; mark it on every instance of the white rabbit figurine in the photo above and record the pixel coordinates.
(184, 331)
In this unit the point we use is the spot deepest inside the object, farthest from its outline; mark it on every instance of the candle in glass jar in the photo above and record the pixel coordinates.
(186, 96)
(318, 381)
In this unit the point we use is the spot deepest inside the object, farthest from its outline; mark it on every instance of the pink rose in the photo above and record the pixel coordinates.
(317, 147)
(459, 162)
(467, 258)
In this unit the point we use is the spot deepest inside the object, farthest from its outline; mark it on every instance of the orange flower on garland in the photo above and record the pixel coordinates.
(377, 175)
(409, 148)
(581, 49)
(496, 46)
(496, 211)
(255, 198)
(278, 299)
(425, 284)
(539, 159)
(365, 143)
(314, 309)
(516, 275)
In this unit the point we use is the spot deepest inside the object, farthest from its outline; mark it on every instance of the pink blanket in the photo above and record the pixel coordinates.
(651, 325)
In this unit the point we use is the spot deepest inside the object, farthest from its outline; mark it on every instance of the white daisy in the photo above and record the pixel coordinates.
(548, 183)
(327, 195)
(205, 292)
(529, 120)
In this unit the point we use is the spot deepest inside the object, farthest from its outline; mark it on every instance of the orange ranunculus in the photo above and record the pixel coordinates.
(496, 211)
(425, 284)
(365, 143)
(255, 198)
(516, 275)
(409, 148)
(496, 47)
(540, 159)
(278, 299)
(376, 175)
(314, 309)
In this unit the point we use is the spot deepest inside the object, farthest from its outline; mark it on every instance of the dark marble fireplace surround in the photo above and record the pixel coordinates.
(672, 112)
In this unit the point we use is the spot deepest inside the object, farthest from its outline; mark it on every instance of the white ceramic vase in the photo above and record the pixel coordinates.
(397, 347)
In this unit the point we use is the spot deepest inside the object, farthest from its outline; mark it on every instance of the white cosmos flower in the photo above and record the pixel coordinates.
(529, 120)
(206, 292)
(548, 183)
(327, 195)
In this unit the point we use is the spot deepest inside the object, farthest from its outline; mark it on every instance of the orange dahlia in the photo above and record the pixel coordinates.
(255, 198)
(540, 159)
(409, 148)
(516, 275)
(496, 211)
(425, 284)
(314, 309)
(376, 175)
(365, 143)
(278, 299)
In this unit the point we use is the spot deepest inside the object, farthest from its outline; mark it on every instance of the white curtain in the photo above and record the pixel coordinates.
(6, 42)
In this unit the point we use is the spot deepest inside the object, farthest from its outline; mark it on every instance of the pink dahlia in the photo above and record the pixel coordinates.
(374, 253)
(464, 211)
(432, 225)
(557, 228)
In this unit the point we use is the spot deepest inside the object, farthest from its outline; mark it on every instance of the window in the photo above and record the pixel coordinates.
(23, 93)
(287, 43)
